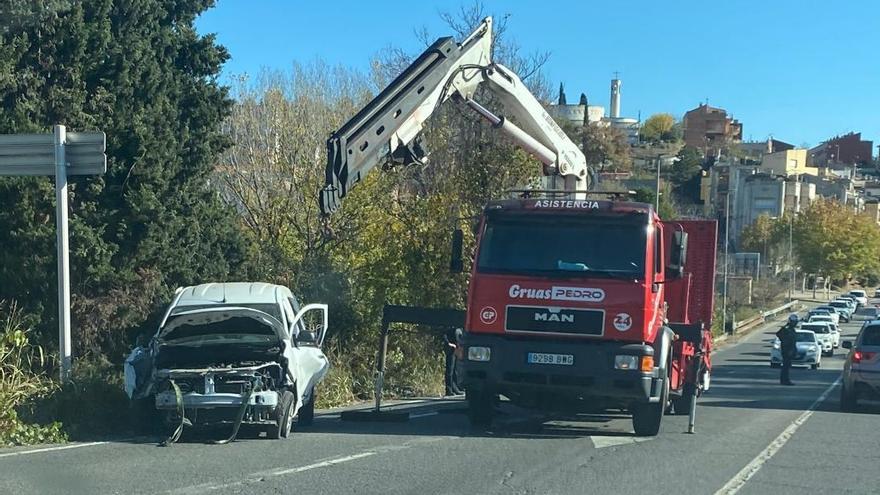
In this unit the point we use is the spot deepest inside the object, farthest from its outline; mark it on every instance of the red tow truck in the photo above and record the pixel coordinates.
(574, 301)
(588, 305)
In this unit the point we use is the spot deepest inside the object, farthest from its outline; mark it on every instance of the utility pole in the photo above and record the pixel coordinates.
(726, 246)
(657, 199)
(791, 256)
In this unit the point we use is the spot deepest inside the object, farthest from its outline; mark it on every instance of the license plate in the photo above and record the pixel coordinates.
(545, 358)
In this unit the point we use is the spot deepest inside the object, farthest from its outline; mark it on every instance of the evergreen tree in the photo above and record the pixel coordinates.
(137, 70)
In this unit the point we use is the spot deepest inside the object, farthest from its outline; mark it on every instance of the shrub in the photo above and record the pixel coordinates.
(22, 381)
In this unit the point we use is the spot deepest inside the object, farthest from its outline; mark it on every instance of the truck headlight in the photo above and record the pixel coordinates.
(478, 353)
(626, 362)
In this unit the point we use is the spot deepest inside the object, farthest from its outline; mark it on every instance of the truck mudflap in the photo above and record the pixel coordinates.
(610, 373)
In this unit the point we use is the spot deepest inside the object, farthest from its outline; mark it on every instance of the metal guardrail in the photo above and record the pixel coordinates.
(775, 311)
(762, 317)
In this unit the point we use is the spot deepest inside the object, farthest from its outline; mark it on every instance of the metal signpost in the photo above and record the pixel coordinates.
(60, 154)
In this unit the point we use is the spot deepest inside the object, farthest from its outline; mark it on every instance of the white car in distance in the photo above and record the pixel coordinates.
(860, 296)
(824, 310)
(824, 335)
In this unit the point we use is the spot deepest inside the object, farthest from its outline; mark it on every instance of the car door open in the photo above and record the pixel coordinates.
(311, 333)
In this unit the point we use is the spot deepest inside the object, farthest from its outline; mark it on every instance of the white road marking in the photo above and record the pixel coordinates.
(600, 442)
(51, 449)
(327, 463)
(752, 468)
(257, 477)
(423, 415)
(263, 475)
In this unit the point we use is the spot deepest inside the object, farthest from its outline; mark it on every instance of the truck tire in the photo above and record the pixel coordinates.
(849, 401)
(646, 416)
(682, 405)
(283, 417)
(306, 414)
(481, 407)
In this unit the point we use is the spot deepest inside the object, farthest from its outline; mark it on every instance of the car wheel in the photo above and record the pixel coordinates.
(775, 365)
(481, 407)
(848, 400)
(283, 416)
(306, 414)
(814, 366)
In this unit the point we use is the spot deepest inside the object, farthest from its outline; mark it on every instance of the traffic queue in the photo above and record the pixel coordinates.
(804, 341)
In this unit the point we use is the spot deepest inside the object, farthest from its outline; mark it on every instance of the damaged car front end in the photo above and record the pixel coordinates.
(226, 364)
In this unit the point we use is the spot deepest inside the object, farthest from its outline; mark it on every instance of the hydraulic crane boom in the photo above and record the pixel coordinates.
(388, 128)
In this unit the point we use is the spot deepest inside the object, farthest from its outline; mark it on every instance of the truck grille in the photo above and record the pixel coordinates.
(555, 320)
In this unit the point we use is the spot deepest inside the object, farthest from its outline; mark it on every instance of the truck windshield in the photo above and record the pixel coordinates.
(564, 247)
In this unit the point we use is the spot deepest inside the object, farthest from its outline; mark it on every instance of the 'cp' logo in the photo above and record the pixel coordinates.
(488, 315)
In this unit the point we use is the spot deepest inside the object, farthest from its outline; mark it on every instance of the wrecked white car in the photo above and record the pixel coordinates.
(231, 353)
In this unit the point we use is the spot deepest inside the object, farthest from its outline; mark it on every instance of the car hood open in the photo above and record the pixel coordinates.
(225, 323)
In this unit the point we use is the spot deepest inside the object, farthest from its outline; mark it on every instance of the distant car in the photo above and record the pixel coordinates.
(230, 353)
(861, 370)
(871, 313)
(808, 353)
(831, 310)
(821, 318)
(823, 334)
(860, 296)
(876, 292)
(849, 302)
(849, 299)
(842, 308)
(824, 311)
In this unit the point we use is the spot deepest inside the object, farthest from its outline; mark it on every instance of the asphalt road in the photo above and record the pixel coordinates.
(753, 436)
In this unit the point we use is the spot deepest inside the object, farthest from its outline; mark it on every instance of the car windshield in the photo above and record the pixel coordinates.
(806, 337)
(825, 309)
(838, 304)
(871, 335)
(564, 246)
(857, 293)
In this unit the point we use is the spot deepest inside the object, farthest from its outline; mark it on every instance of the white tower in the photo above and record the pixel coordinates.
(615, 97)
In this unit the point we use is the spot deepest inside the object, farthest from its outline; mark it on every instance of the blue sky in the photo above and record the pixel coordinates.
(799, 70)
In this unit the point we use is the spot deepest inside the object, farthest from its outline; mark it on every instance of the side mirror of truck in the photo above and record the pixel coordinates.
(677, 255)
(456, 264)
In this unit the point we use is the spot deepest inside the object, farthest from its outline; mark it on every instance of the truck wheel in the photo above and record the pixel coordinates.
(283, 417)
(306, 414)
(848, 400)
(481, 407)
(682, 405)
(646, 416)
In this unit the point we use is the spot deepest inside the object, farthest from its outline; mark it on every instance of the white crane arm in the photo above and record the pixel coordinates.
(387, 129)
